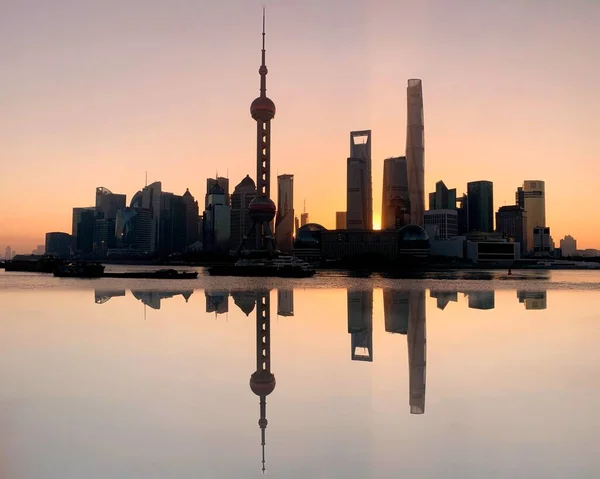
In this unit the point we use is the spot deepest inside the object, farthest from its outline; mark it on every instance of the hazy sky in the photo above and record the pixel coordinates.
(95, 93)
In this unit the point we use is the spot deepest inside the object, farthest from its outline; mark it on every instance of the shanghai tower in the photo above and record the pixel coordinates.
(415, 151)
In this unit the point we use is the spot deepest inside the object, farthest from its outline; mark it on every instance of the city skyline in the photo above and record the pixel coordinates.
(60, 120)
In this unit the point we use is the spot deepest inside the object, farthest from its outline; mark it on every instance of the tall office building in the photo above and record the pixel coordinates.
(415, 150)
(511, 222)
(395, 201)
(241, 197)
(223, 183)
(359, 188)
(83, 220)
(481, 206)
(217, 301)
(149, 199)
(481, 299)
(568, 246)
(532, 198)
(360, 324)
(340, 220)
(395, 311)
(192, 212)
(108, 203)
(442, 198)
(132, 229)
(217, 222)
(77, 218)
(172, 224)
(284, 221)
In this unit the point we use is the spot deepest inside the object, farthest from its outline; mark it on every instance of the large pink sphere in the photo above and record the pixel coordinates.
(262, 209)
(262, 109)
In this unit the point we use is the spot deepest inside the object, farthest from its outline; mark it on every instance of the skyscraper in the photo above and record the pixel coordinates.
(149, 199)
(217, 222)
(359, 189)
(303, 218)
(417, 351)
(241, 198)
(192, 213)
(481, 206)
(223, 183)
(415, 150)
(285, 302)
(511, 222)
(532, 198)
(284, 222)
(442, 198)
(395, 202)
(107, 206)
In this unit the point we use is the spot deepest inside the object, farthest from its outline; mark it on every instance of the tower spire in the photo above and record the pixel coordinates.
(263, 66)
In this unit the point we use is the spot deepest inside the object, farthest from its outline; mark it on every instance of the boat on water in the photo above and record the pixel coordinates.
(279, 266)
(79, 270)
(160, 274)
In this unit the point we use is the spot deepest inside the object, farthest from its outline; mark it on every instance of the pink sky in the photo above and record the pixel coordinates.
(95, 93)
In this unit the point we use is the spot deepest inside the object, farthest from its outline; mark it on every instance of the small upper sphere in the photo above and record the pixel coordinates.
(262, 109)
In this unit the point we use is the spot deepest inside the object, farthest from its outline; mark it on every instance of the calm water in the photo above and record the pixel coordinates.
(374, 378)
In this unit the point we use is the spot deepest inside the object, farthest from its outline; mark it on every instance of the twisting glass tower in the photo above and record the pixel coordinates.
(262, 381)
(415, 151)
(262, 209)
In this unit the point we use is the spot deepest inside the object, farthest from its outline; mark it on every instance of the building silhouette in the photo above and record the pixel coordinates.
(395, 201)
(242, 196)
(107, 206)
(360, 324)
(285, 302)
(133, 229)
(441, 224)
(511, 222)
(245, 300)
(442, 198)
(223, 183)
(415, 150)
(154, 298)
(395, 311)
(532, 198)
(284, 222)
(568, 246)
(217, 222)
(149, 198)
(481, 206)
(359, 189)
(303, 219)
(59, 244)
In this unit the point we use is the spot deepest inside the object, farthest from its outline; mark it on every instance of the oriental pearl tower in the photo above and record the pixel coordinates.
(262, 381)
(261, 208)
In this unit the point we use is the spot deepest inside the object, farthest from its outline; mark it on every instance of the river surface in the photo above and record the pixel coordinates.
(329, 377)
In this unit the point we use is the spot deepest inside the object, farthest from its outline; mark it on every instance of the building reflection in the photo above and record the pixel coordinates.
(404, 313)
(533, 299)
(245, 300)
(103, 296)
(360, 324)
(444, 297)
(481, 299)
(217, 301)
(285, 302)
(154, 298)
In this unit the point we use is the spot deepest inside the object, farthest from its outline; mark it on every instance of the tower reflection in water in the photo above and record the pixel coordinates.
(262, 381)
(404, 313)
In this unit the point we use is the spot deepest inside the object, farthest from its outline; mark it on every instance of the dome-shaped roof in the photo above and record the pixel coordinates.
(262, 383)
(312, 227)
(247, 182)
(263, 109)
(412, 233)
(136, 201)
